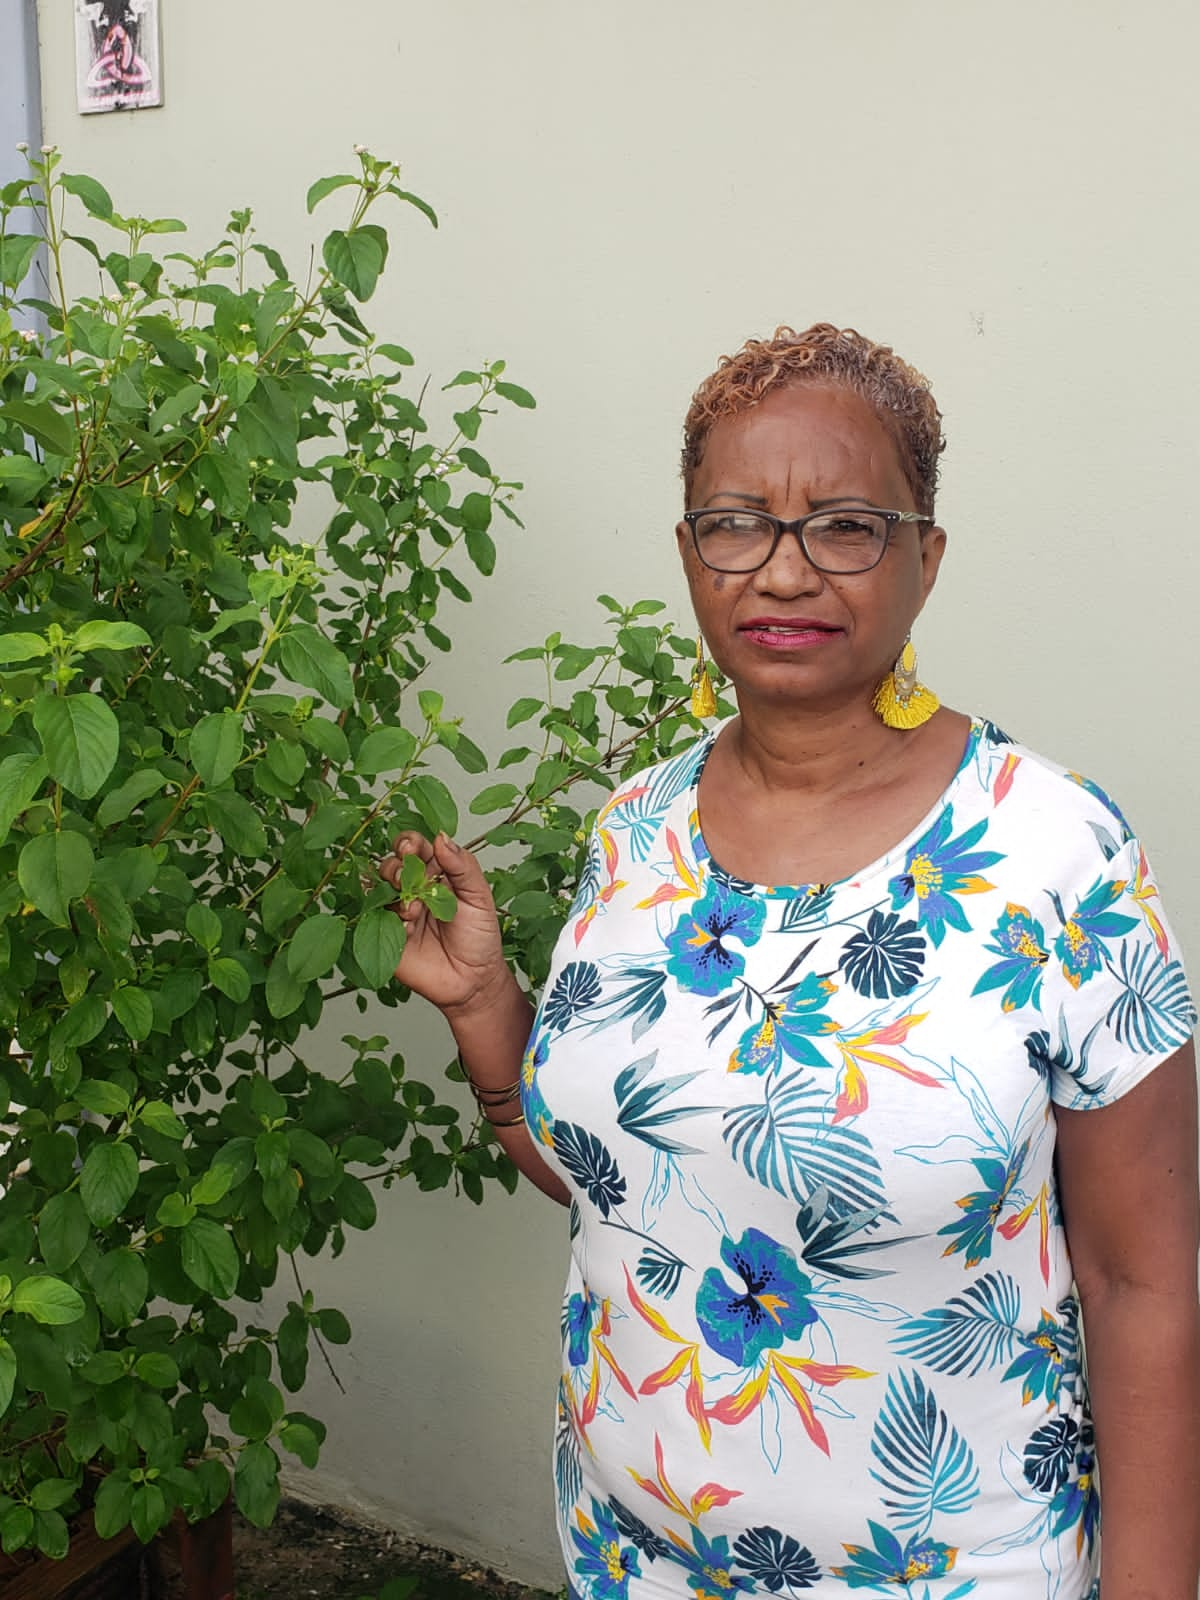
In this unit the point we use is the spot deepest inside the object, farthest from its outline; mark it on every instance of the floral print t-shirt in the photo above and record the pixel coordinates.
(820, 1330)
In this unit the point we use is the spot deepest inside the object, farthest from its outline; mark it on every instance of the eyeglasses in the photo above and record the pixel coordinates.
(843, 540)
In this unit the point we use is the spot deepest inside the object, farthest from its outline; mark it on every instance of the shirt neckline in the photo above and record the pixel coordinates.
(703, 857)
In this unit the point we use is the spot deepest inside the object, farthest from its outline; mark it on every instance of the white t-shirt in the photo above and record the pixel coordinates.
(820, 1329)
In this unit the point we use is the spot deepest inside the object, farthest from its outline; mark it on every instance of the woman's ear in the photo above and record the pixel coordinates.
(933, 548)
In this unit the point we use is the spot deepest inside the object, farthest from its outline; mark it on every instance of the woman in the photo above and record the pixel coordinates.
(870, 1066)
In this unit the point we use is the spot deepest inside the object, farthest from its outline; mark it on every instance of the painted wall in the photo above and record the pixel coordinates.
(626, 191)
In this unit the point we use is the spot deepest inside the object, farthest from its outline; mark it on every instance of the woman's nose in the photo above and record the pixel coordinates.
(789, 571)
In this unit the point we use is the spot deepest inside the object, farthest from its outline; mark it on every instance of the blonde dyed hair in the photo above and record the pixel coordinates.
(898, 393)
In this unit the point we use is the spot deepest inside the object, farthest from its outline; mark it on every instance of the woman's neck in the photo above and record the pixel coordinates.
(826, 753)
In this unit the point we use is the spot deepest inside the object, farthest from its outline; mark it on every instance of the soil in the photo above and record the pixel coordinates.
(310, 1551)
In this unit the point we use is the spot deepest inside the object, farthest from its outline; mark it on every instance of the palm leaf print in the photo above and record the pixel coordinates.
(973, 1331)
(806, 910)
(789, 1144)
(640, 812)
(659, 1271)
(829, 1243)
(639, 1112)
(926, 1465)
(568, 1472)
(1154, 1010)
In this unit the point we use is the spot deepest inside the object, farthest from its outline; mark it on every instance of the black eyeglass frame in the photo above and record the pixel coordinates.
(797, 526)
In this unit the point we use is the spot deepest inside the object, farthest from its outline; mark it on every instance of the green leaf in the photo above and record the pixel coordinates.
(134, 1010)
(159, 1117)
(216, 746)
(333, 1326)
(114, 1501)
(271, 1151)
(212, 1186)
(309, 658)
(355, 1202)
(21, 776)
(94, 195)
(356, 259)
(174, 1211)
(110, 636)
(19, 647)
(521, 710)
(324, 186)
(53, 869)
(204, 925)
(301, 1441)
(63, 1230)
(435, 803)
(238, 823)
(51, 1534)
(379, 937)
(441, 900)
(104, 1098)
(80, 739)
(175, 408)
(48, 1300)
(256, 1483)
(8, 1374)
(121, 1284)
(385, 750)
(107, 1182)
(230, 977)
(149, 1513)
(21, 479)
(16, 1527)
(315, 946)
(496, 797)
(17, 251)
(50, 1493)
(518, 396)
(283, 992)
(481, 548)
(52, 429)
(281, 901)
(209, 1257)
(157, 1369)
(119, 802)
(396, 353)
(311, 1153)
(422, 206)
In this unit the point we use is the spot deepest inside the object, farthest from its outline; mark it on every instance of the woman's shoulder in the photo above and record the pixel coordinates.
(647, 795)
(1043, 793)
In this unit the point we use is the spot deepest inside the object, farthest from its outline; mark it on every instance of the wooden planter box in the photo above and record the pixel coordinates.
(122, 1569)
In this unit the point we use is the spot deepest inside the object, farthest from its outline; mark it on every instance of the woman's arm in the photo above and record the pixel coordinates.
(459, 965)
(1128, 1181)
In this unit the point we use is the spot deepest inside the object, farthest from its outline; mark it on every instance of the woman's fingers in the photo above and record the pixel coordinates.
(462, 872)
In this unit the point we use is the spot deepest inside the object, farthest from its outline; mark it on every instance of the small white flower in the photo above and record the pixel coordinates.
(360, 149)
(49, 149)
(28, 336)
(22, 146)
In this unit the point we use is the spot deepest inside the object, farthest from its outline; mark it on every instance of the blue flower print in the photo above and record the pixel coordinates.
(937, 869)
(1077, 1503)
(536, 1112)
(575, 989)
(1080, 946)
(776, 1560)
(604, 1562)
(1020, 942)
(770, 1306)
(709, 1567)
(1041, 1362)
(788, 1028)
(579, 1319)
(982, 1207)
(885, 958)
(890, 1562)
(699, 958)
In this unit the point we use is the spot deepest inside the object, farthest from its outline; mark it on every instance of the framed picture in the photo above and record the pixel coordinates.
(118, 54)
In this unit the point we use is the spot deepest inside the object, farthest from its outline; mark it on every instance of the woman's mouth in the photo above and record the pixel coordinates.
(788, 633)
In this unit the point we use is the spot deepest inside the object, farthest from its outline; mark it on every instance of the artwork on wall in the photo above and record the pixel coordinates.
(118, 56)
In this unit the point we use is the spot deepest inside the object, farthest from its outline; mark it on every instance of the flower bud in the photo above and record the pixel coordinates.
(49, 149)
(22, 146)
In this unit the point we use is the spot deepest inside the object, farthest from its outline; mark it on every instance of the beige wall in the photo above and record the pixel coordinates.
(626, 190)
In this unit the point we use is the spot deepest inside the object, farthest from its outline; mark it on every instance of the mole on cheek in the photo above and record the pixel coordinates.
(718, 581)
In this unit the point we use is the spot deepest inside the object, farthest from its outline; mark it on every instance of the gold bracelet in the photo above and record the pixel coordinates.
(511, 1122)
(487, 1097)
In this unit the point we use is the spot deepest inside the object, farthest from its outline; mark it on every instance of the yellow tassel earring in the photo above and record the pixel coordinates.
(704, 701)
(900, 700)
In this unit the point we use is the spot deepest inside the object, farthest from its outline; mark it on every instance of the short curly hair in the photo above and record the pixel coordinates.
(899, 394)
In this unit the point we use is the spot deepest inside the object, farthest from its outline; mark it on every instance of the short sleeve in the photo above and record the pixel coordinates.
(1116, 998)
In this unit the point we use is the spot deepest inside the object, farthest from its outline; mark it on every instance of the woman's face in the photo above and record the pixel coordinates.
(787, 633)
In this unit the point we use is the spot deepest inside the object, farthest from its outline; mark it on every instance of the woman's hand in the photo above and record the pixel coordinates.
(457, 964)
